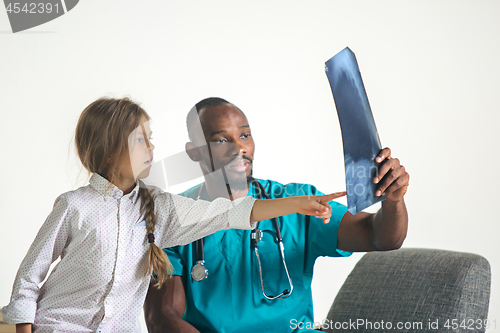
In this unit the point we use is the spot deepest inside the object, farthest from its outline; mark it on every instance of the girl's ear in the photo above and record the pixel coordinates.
(192, 152)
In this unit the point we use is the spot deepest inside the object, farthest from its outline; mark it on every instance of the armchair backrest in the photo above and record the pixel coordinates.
(414, 290)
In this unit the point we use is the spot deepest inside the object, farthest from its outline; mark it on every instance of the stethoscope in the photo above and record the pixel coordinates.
(199, 271)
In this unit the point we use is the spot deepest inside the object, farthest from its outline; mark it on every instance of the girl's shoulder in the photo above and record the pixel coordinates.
(80, 196)
(154, 190)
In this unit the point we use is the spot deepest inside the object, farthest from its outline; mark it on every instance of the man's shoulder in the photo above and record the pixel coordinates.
(274, 188)
(192, 192)
(279, 190)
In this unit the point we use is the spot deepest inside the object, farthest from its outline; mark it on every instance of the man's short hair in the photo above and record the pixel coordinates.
(192, 116)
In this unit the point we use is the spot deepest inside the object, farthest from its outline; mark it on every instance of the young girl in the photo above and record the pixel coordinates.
(109, 234)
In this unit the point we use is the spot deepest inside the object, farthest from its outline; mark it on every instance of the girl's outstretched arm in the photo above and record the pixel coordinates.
(182, 220)
(307, 205)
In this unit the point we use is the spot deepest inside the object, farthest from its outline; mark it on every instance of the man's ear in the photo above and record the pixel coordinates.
(192, 151)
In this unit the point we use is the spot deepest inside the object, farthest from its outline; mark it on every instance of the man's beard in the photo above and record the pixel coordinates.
(238, 183)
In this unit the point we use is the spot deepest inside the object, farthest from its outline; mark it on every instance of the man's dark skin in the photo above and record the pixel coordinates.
(227, 131)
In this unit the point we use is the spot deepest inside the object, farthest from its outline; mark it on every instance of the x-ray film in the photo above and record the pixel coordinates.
(359, 133)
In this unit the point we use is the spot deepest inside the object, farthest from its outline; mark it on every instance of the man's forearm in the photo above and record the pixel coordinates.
(170, 324)
(390, 225)
(23, 328)
(164, 308)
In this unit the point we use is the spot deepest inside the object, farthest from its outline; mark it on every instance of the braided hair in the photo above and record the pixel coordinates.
(158, 263)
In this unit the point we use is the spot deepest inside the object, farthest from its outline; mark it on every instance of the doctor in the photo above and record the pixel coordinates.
(260, 281)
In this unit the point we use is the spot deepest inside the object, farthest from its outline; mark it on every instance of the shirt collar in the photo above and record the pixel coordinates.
(107, 189)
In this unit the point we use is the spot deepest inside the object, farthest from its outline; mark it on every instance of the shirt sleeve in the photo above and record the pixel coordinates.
(183, 220)
(176, 260)
(321, 239)
(46, 248)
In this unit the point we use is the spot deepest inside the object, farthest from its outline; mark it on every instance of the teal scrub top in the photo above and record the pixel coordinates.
(230, 299)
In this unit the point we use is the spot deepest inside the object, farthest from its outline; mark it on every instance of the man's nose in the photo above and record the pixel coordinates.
(241, 147)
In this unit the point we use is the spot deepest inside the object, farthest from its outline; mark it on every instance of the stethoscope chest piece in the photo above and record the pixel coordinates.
(256, 236)
(199, 272)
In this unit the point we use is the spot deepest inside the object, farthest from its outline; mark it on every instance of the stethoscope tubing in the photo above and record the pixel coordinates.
(199, 272)
(199, 244)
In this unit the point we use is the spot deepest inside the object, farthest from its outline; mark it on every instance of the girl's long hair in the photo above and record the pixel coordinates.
(101, 140)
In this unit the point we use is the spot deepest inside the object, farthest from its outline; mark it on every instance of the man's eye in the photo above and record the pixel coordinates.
(221, 141)
(246, 135)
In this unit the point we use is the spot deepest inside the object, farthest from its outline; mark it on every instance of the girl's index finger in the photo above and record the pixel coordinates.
(334, 195)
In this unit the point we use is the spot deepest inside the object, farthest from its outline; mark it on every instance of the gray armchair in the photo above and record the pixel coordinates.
(413, 290)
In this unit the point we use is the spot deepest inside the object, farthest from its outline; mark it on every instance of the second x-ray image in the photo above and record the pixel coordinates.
(359, 133)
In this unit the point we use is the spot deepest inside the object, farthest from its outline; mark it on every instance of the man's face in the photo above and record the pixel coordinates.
(228, 134)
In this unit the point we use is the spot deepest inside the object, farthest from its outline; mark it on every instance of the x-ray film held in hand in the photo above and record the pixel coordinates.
(359, 133)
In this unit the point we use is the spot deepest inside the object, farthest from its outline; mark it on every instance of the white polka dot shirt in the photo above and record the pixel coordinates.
(100, 283)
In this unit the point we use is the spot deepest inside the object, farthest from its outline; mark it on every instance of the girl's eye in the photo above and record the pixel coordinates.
(139, 140)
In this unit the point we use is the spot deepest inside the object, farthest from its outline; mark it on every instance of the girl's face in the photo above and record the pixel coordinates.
(140, 153)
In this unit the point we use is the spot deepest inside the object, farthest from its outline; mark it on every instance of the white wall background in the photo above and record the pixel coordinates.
(430, 68)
